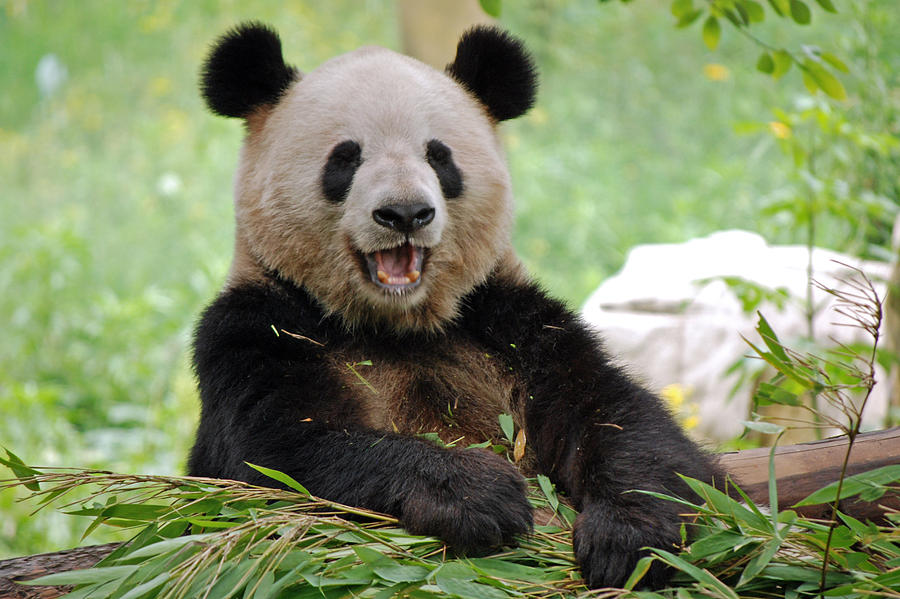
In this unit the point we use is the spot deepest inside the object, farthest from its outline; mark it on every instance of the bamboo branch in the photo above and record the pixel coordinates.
(800, 470)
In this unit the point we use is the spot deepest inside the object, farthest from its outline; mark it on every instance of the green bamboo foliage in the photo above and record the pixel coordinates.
(217, 539)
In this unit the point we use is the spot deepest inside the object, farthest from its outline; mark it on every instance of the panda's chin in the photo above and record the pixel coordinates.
(396, 270)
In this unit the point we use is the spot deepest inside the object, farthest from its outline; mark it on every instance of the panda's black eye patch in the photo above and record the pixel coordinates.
(337, 174)
(440, 158)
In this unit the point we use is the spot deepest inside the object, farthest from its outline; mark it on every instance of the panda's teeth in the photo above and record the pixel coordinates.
(397, 269)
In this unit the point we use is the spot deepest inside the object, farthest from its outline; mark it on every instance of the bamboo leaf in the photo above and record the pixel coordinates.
(20, 470)
(826, 5)
(508, 427)
(455, 571)
(712, 31)
(86, 576)
(811, 86)
(161, 547)
(281, 477)
(698, 574)
(767, 394)
(853, 485)
(206, 523)
(800, 12)
(368, 555)
(722, 541)
(766, 428)
(835, 62)
(781, 7)
(233, 580)
(548, 490)
(499, 568)
(262, 589)
(467, 589)
(771, 339)
(754, 10)
(725, 505)
(328, 581)
(824, 80)
(778, 365)
(290, 577)
(492, 7)
(393, 572)
(783, 61)
(765, 64)
(803, 574)
(128, 511)
(773, 487)
(458, 578)
(639, 571)
(759, 563)
(680, 8)
(689, 18)
(145, 587)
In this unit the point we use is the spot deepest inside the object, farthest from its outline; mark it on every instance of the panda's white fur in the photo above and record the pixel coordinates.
(392, 106)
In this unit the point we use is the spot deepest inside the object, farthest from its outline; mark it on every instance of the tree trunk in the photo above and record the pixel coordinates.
(430, 29)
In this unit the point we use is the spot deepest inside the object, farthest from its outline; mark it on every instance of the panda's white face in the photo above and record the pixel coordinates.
(379, 185)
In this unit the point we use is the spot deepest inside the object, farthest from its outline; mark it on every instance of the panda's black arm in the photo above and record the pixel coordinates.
(267, 399)
(595, 432)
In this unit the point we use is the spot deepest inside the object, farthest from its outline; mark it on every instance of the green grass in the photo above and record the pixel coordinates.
(116, 223)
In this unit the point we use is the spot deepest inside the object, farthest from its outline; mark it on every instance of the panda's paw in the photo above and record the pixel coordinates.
(608, 544)
(474, 502)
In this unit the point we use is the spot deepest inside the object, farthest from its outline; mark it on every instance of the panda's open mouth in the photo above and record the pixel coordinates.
(396, 268)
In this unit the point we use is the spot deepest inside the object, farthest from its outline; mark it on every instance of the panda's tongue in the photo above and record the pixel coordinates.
(397, 266)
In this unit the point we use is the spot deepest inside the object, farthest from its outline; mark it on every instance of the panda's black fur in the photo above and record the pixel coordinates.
(269, 358)
(337, 174)
(245, 70)
(494, 66)
(440, 158)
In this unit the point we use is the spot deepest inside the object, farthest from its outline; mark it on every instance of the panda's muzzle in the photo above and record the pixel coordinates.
(400, 267)
(396, 268)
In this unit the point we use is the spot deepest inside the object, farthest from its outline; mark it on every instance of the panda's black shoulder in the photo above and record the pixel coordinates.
(504, 306)
(259, 314)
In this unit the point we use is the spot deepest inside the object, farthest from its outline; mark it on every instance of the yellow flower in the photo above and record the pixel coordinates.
(716, 72)
(780, 130)
(674, 395)
(684, 411)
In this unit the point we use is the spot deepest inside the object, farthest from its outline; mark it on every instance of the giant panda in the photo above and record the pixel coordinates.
(375, 295)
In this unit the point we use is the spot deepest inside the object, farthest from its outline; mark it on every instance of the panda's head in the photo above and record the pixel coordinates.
(375, 182)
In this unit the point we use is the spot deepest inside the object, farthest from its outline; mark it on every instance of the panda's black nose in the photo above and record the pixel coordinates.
(404, 218)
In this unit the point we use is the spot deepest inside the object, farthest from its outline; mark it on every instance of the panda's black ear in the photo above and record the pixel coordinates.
(497, 68)
(245, 70)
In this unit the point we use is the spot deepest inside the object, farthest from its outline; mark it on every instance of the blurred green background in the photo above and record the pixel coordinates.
(115, 185)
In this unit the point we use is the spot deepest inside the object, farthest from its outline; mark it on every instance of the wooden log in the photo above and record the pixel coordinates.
(803, 468)
(35, 566)
(800, 470)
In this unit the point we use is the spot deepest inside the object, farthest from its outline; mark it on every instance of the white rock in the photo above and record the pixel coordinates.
(671, 319)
